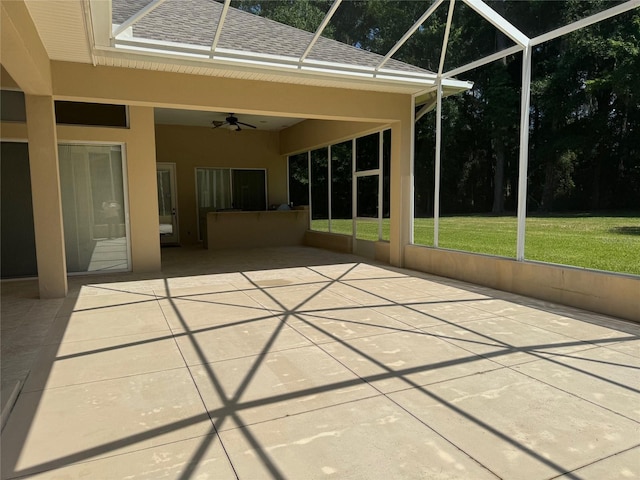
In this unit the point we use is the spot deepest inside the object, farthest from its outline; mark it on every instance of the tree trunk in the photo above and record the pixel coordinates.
(498, 177)
(595, 184)
(598, 153)
(546, 204)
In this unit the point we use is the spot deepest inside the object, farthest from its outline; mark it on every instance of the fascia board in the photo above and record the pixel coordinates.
(322, 71)
(449, 87)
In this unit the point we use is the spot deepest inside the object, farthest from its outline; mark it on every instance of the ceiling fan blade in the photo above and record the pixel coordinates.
(246, 124)
(217, 124)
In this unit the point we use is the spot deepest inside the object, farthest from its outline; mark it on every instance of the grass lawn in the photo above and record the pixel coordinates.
(610, 243)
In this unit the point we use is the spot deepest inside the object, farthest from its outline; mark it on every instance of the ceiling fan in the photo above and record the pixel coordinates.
(232, 121)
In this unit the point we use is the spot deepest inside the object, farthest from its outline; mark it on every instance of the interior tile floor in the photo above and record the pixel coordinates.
(301, 363)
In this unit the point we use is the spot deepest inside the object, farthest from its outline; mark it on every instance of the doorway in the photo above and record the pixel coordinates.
(94, 207)
(167, 203)
(16, 213)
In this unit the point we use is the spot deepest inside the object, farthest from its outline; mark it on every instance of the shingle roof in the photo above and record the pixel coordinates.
(194, 22)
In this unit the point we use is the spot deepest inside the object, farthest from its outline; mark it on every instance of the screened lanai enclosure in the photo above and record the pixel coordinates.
(546, 130)
(320, 238)
(501, 128)
(541, 139)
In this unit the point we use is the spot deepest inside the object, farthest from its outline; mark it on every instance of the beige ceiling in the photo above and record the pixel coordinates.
(170, 116)
(62, 28)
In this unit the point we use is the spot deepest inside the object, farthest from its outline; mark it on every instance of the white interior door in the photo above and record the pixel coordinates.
(167, 203)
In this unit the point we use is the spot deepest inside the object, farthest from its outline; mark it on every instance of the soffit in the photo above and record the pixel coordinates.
(61, 26)
(170, 116)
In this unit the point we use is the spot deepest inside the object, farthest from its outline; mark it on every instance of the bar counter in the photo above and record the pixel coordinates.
(268, 228)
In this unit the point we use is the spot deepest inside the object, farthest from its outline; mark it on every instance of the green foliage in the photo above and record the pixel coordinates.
(585, 101)
(302, 14)
(600, 242)
(584, 126)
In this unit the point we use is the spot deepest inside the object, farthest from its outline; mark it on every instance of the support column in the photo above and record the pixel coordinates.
(143, 191)
(47, 203)
(438, 163)
(525, 104)
(401, 222)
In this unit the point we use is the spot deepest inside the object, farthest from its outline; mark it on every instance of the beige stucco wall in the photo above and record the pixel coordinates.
(611, 294)
(192, 147)
(46, 196)
(312, 134)
(6, 81)
(329, 241)
(382, 251)
(143, 193)
(22, 53)
(80, 82)
(16, 132)
(256, 229)
(401, 214)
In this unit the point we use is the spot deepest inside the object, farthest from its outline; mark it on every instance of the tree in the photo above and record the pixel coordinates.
(585, 109)
(586, 106)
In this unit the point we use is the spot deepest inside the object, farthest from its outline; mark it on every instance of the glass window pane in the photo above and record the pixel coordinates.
(368, 152)
(214, 188)
(12, 108)
(164, 192)
(320, 190)
(18, 252)
(213, 191)
(91, 179)
(249, 190)
(584, 162)
(386, 182)
(479, 171)
(423, 178)
(341, 188)
(367, 196)
(299, 179)
(101, 114)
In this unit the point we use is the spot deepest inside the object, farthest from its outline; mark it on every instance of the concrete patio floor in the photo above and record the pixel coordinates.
(301, 363)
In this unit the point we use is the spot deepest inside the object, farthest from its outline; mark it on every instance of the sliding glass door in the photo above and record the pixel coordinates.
(94, 208)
